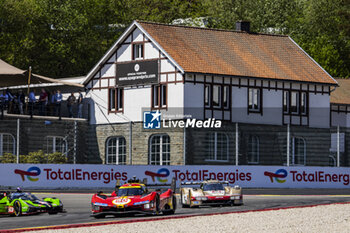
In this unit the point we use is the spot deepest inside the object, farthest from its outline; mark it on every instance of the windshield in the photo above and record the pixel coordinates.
(130, 192)
(24, 196)
(210, 187)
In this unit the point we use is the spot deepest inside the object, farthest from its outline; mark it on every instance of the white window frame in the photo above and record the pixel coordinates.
(2, 143)
(116, 96)
(119, 140)
(297, 105)
(138, 50)
(159, 96)
(286, 101)
(161, 152)
(215, 148)
(301, 102)
(254, 99)
(226, 96)
(250, 148)
(207, 95)
(294, 152)
(54, 142)
(219, 94)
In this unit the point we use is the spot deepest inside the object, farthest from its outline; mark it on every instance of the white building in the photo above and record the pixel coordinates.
(262, 82)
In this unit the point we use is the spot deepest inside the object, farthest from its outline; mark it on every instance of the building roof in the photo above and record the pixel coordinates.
(224, 52)
(213, 51)
(341, 95)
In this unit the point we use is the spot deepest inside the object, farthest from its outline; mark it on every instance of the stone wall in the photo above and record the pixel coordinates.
(140, 141)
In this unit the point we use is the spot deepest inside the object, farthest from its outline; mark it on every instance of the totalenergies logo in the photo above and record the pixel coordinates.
(279, 175)
(161, 173)
(32, 171)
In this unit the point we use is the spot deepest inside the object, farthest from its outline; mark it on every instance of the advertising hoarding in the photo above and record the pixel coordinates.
(105, 176)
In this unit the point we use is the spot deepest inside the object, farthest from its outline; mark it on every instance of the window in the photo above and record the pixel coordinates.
(299, 151)
(116, 99)
(254, 100)
(253, 150)
(295, 102)
(7, 144)
(159, 96)
(303, 104)
(137, 51)
(56, 144)
(226, 97)
(116, 150)
(217, 147)
(286, 99)
(207, 94)
(217, 96)
(159, 150)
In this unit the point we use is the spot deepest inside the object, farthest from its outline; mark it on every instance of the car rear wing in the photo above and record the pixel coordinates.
(144, 181)
(172, 184)
(200, 182)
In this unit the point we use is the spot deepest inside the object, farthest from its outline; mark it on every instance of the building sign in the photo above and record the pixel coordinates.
(57, 176)
(137, 73)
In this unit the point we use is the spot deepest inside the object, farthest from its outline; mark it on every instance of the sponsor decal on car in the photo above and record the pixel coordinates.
(121, 201)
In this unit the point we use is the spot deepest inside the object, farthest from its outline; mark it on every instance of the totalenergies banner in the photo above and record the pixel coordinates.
(61, 176)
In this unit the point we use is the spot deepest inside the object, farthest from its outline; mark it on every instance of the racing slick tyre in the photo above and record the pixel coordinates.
(171, 211)
(17, 206)
(51, 212)
(157, 203)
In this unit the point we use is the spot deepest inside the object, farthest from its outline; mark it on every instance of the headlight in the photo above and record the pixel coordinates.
(146, 206)
(232, 197)
(204, 198)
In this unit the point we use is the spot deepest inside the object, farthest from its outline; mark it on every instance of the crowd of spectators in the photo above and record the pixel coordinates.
(46, 104)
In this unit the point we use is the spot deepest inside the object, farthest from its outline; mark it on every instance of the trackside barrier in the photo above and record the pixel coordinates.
(65, 176)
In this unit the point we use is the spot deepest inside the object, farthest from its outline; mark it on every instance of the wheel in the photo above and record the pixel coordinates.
(99, 216)
(52, 212)
(174, 203)
(17, 206)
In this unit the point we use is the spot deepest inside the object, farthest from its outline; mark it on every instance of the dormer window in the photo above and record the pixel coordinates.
(137, 51)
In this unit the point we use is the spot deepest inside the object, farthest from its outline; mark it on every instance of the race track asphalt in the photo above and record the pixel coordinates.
(78, 208)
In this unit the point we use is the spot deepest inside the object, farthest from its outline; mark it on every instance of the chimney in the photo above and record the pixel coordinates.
(243, 26)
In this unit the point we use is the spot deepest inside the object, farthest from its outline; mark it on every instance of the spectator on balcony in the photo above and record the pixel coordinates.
(80, 105)
(2, 102)
(70, 102)
(8, 100)
(20, 101)
(43, 98)
(52, 103)
(58, 101)
(31, 102)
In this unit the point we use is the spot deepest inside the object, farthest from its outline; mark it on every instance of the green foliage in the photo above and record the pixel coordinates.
(61, 38)
(35, 157)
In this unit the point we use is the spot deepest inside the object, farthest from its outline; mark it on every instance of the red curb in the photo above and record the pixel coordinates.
(159, 218)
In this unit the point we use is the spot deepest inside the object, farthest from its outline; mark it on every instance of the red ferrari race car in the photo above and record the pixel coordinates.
(134, 197)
